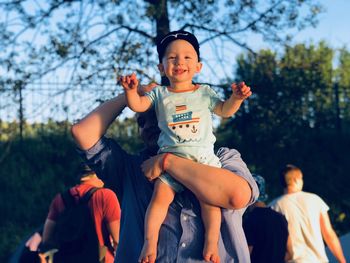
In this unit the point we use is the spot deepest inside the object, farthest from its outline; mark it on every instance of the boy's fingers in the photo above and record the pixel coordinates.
(123, 79)
(135, 81)
(234, 86)
(245, 89)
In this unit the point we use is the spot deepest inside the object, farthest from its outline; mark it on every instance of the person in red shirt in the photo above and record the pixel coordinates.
(105, 210)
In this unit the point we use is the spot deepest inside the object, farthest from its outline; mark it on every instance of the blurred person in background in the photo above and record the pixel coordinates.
(308, 220)
(266, 230)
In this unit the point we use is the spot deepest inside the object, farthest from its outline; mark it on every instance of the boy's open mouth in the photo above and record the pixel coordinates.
(179, 71)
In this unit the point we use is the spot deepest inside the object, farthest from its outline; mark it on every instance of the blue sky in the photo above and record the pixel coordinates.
(333, 27)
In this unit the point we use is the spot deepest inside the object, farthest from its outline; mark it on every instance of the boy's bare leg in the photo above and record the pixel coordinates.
(156, 212)
(211, 216)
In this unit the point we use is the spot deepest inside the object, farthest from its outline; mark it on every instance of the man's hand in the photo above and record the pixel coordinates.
(240, 91)
(153, 167)
(129, 82)
(34, 241)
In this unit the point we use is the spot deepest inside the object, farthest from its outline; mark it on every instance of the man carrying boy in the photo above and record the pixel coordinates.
(181, 235)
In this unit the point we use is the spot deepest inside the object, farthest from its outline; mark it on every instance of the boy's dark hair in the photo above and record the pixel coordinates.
(164, 41)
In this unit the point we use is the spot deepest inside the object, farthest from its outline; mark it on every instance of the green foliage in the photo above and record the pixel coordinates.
(343, 76)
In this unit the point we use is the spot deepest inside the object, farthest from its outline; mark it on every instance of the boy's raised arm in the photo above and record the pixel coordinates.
(135, 101)
(229, 107)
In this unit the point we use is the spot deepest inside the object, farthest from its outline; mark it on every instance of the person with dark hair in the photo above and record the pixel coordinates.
(105, 211)
(266, 230)
(308, 220)
(181, 235)
(184, 113)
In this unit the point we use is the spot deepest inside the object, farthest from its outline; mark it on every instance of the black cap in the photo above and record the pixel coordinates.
(164, 41)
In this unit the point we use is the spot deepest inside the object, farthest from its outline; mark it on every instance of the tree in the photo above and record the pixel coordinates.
(84, 42)
(293, 92)
(343, 86)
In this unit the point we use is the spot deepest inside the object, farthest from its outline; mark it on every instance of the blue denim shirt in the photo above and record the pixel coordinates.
(181, 236)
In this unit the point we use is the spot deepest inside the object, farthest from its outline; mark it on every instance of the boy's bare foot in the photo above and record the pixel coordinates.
(148, 252)
(211, 252)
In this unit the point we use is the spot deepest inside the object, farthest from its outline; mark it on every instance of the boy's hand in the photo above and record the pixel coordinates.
(152, 167)
(129, 82)
(240, 91)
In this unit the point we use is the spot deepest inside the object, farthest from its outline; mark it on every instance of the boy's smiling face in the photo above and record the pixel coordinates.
(180, 64)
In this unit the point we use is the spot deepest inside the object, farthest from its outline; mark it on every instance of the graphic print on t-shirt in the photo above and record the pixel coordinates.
(184, 125)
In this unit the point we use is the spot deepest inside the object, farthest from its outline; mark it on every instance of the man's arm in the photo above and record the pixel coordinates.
(92, 127)
(331, 238)
(49, 228)
(203, 180)
(289, 250)
(113, 229)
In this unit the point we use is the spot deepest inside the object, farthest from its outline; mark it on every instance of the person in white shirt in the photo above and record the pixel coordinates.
(308, 220)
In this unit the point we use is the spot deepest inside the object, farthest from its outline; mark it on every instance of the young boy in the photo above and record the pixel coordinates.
(184, 117)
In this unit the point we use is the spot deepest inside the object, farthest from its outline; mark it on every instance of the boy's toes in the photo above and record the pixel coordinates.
(206, 257)
(215, 259)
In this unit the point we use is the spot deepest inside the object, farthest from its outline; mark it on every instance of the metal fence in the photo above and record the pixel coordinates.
(40, 102)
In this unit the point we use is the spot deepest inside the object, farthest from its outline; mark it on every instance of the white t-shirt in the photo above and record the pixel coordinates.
(302, 211)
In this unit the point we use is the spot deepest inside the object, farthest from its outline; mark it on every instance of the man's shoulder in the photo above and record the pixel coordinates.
(314, 198)
(308, 194)
(105, 193)
(105, 197)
